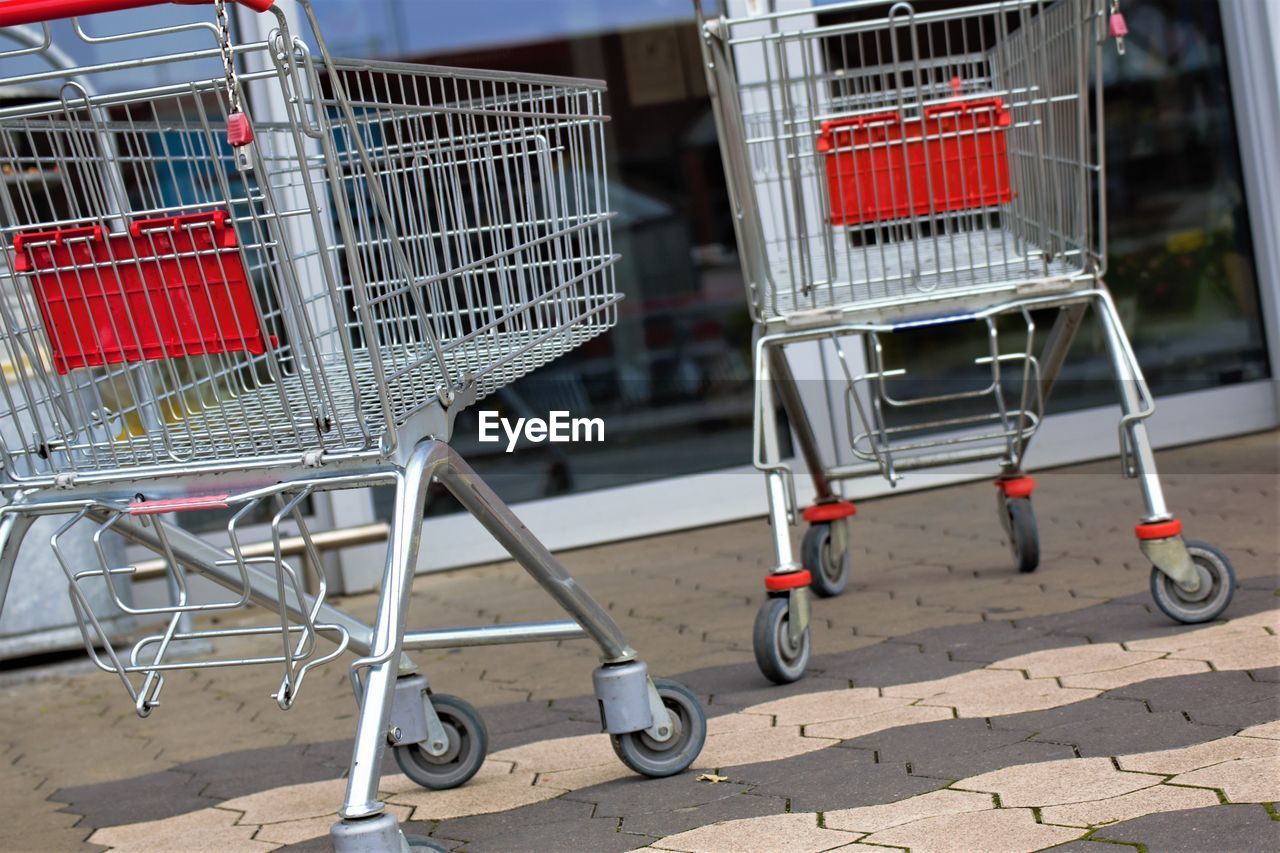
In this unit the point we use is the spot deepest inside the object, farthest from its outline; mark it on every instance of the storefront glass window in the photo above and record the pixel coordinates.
(1181, 258)
(673, 380)
(1180, 255)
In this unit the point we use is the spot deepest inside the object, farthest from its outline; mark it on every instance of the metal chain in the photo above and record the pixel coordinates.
(228, 64)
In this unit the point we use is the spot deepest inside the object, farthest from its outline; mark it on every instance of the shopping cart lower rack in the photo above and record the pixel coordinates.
(898, 171)
(208, 312)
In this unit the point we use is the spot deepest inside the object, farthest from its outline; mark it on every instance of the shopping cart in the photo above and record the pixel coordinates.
(207, 312)
(901, 170)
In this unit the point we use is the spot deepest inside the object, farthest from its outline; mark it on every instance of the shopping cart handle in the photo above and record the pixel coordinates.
(15, 13)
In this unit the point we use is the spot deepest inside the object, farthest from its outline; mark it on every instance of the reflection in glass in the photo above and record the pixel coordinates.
(1180, 257)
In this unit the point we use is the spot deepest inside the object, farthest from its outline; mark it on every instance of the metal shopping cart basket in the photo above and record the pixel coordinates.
(204, 311)
(899, 170)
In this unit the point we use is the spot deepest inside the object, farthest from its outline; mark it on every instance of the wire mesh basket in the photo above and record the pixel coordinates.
(399, 237)
(893, 154)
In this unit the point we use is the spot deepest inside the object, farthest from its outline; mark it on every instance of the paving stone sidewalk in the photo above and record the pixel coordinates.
(952, 703)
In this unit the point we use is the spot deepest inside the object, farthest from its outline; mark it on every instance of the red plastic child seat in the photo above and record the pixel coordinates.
(881, 168)
(172, 286)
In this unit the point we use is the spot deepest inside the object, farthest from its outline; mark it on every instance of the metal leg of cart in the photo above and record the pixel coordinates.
(1191, 581)
(784, 383)
(1014, 506)
(13, 528)
(657, 725)
(365, 825)
(824, 551)
(478, 499)
(780, 637)
(657, 728)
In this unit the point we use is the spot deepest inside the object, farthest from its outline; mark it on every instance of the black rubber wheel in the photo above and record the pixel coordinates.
(655, 759)
(829, 569)
(781, 660)
(468, 745)
(1024, 537)
(1217, 585)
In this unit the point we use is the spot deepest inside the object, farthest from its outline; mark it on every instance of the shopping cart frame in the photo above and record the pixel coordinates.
(657, 727)
(1190, 581)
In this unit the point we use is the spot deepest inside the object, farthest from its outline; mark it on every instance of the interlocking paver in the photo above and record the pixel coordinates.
(1243, 780)
(493, 789)
(1003, 831)
(1052, 783)
(892, 718)
(946, 739)
(1221, 698)
(717, 811)
(594, 835)
(1159, 798)
(1243, 652)
(1268, 674)
(296, 831)
(29, 815)
(832, 779)
(1207, 754)
(292, 802)
(1138, 730)
(1239, 714)
(811, 708)
(1076, 660)
(1147, 671)
(992, 692)
(478, 827)
(889, 663)
(1270, 731)
(779, 742)
(930, 606)
(1224, 829)
(152, 796)
(875, 818)
(212, 830)
(950, 766)
(632, 796)
(796, 833)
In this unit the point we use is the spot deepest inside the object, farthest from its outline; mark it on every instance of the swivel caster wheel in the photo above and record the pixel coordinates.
(1217, 585)
(654, 758)
(468, 744)
(825, 553)
(1024, 537)
(780, 658)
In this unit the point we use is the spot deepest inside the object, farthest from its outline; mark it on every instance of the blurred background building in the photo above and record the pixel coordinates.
(1193, 181)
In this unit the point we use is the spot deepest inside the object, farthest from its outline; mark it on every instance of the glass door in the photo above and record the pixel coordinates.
(1181, 261)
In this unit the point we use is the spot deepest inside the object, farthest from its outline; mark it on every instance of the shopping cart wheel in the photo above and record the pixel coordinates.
(780, 659)
(829, 567)
(1217, 585)
(652, 758)
(1024, 537)
(468, 744)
